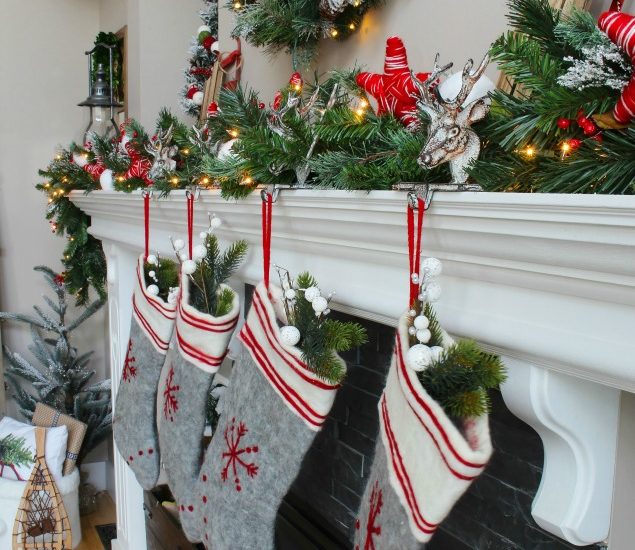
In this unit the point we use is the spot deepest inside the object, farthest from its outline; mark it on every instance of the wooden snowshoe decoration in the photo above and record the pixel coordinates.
(41, 522)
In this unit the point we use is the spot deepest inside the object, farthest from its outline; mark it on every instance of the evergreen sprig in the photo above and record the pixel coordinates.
(460, 379)
(206, 293)
(322, 338)
(524, 149)
(166, 275)
(294, 26)
(62, 379)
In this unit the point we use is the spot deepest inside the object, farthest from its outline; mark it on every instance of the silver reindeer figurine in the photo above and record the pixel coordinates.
(162, 153)
(450, 136)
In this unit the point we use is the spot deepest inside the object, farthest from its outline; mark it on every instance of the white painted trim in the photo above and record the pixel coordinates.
(548, 281)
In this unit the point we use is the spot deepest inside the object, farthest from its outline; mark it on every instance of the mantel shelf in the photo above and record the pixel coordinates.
(548, 281)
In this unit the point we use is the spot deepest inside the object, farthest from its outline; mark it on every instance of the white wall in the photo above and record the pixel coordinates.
(42, 78)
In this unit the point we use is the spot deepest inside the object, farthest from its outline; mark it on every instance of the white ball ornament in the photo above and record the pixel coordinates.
(433, 292)
(215, 222)
(451, 86)
(289, 294)
(424, 335)
(106, 180)
(152, 274)
(189, 267)
(204, 28)
(312, 293)
(412, 331)
(290, 335)
(179, 244)
(418, 357)
(421, 322)
(153, 290)
(198, 98)
(215, 46)
(80, 160)
(432, 267)
(199, 252)
(437, 353)
(319, 304)
(183, 256)
(225, 150)
(203, 235)
(412, 313)
(152, 259)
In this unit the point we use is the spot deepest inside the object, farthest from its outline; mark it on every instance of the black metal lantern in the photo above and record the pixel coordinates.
(101, 99)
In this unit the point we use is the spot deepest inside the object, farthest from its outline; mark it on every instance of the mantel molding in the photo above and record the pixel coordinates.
(547, 281)
(546, 278)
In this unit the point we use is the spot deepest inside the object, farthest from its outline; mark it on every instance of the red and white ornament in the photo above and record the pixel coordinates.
(198, 98)
(191, 91)
(394, 90)
(212, 109)
(620, 28)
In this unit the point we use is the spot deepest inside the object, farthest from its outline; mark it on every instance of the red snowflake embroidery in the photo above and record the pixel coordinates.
(233, 435)
(129, 370)
(170, 402)
(372, 528)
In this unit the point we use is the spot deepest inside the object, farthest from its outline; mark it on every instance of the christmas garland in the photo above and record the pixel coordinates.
(203, 53)
(555, 130)
(296, 26)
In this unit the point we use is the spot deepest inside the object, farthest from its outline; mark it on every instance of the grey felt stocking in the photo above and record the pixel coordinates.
(270, 413)
(134, 421)
(199, 345)
(423, 462)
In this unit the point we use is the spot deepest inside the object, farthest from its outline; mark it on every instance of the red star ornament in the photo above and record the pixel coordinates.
(394, 91)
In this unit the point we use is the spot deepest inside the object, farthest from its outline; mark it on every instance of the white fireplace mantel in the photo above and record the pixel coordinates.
(547, 281)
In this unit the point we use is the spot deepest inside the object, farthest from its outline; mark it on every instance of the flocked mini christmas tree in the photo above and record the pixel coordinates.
(62, 378)
(202, 56)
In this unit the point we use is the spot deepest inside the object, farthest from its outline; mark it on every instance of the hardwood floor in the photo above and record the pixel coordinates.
(105, 514)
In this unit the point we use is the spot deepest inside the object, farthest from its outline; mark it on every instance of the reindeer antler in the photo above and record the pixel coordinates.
(425, 96)
(469, 78)
(163, 137)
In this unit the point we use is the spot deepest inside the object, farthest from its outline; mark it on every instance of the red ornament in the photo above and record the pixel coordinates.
(589, 128)
(139, 168)
(575, 143)
(620, 28)
(261, 105)
(191, 91)
(394, 90)
(208, 41)
(296, 81)
(59, 279)
(564, 123)
(277, 101)
(95, 169)
(212, 109)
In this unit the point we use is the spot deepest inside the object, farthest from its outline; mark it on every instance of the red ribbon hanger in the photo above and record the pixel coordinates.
(267, 210)
(414, 246)
(146, 222)
(190, 220)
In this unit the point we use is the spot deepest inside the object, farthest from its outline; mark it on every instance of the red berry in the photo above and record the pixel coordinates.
(564, 123)
(261, 105)
(574, 143)
(207, 43)
(598, 137)
(589, 128)
(582, 120)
